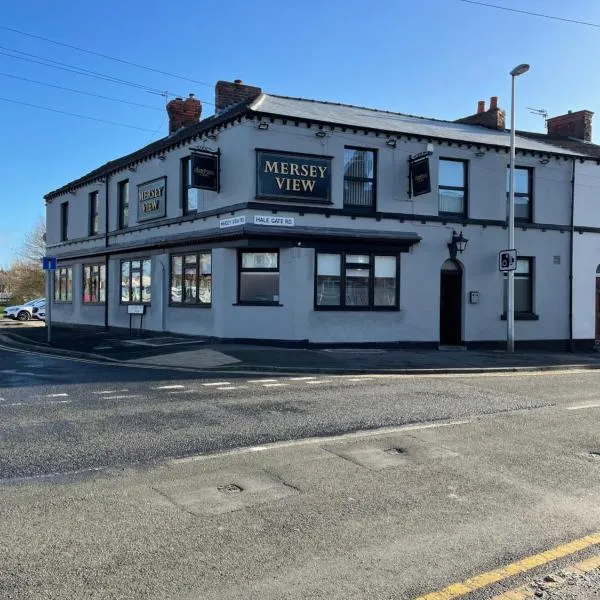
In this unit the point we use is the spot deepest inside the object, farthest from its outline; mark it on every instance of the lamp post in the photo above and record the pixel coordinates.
(510, 301)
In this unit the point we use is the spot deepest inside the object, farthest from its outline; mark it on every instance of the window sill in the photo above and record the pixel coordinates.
(256, 304)
(454, 215)
(92, 303)
(148, 304)
(523, 316)
(186, 305)
(357, 308)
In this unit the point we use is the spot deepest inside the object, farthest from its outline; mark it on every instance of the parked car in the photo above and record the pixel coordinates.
(39, 311)
(23, 312)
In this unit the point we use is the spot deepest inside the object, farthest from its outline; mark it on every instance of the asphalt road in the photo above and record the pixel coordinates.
(105, 492)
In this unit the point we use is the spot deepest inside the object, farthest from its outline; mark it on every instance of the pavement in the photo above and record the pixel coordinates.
(195, 353)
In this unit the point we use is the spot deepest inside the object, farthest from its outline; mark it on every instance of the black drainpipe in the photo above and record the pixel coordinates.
(572, 232)
(106, 295)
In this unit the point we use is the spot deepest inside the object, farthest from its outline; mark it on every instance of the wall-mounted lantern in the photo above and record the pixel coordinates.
(458, 244)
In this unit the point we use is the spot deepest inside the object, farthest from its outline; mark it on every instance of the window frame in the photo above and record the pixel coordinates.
(523, 315)
(141, 260)
(100, 267)
(122, 223)
(373, 180)
(94, 214)
(240, 270)
(185, 176)
(530, 192)
(182, 303)
(64, 221)
(371, 307)
(464, 188)
(57, 296)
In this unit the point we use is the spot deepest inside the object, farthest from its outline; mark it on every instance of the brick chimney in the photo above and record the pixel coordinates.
(493, 117)
(183, 113)
(573, 124)
(229, 94)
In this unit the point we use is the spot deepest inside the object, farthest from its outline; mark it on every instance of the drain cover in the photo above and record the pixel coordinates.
(230, 488)
(395, 451)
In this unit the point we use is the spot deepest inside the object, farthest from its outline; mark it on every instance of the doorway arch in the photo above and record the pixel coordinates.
(451, 303)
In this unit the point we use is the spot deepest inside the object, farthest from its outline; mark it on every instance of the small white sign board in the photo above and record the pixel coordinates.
(507, 260)
(274, 221)
(232, 222)
(135, 309)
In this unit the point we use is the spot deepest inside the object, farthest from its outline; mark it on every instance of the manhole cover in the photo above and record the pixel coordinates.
(395, 451)
(229, 488)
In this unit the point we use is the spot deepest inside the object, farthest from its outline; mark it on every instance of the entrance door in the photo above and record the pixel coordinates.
(450, 303)
(598, 305)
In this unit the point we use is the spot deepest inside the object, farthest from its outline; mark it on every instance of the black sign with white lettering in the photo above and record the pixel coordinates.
(152, 199)
(419, 176)
(289, 176)
(205, 171)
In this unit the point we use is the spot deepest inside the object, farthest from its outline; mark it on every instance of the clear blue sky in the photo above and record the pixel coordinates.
(431, 57)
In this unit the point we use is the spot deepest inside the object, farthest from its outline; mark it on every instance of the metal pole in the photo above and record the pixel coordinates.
(510, 300)
(49, 300)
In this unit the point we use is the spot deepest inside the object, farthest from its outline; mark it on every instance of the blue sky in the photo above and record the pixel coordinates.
(432, 58)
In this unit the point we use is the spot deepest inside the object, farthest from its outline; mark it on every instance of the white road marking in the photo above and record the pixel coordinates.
(301, 378)
(121, 397)
(317, 382)
(233, 387)
(274, 384)
(217, 383)
(582, 406)
(108, 392)
(359, 379)
(168, 387)
(56, 395)
(184, 392)
(261, 380)
(383, 431)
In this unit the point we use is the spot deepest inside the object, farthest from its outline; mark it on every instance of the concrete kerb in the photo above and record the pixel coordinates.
(27, 345)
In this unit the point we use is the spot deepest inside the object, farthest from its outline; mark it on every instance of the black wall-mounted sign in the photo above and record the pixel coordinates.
(292, 176)
(206, 168)
(420, 181)
(152, 199)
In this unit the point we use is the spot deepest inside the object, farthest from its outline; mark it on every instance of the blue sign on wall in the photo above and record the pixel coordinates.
(49, 263)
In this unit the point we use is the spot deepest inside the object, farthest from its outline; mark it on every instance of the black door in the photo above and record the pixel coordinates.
(451, 305)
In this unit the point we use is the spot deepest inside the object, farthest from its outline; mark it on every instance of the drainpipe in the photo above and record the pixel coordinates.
(106, 178)
(572, 241)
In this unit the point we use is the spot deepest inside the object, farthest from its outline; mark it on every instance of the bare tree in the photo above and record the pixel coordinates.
(34, 246)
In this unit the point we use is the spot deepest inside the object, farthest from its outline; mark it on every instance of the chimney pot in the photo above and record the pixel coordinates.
(183, 113)
(481, 106)
(493, 118)
(238, 81)
(493, 102)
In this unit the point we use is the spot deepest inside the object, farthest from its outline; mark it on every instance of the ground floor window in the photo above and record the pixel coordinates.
(258, 277)
(136, 281)
(356, 281)
(191, 279)
(63, 284)
(94, 284)
(523, 287)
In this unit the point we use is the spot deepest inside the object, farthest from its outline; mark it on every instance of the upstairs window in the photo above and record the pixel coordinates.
(94, 227)
(360, 168)
(123, 196)
(64, 221)
(523, 192)
(191, 279)
(452, 186)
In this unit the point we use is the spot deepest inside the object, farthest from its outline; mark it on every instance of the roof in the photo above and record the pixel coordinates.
(351, 116)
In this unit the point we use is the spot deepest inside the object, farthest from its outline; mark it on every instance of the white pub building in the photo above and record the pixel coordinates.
(306, 222)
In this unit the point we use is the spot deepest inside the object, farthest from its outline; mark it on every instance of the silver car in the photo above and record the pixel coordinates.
(23, 312)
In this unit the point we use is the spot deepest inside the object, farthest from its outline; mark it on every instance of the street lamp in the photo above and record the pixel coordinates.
(510, 302)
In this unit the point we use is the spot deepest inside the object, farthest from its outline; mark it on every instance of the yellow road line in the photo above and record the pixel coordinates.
(521, 566)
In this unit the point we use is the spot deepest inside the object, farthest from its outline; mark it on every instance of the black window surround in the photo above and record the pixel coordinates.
(94, 226)
(199, 266)
(246, 272)
(524, 279)
(134, 271)
(94, 283)
(186, 185)
(523, 209)
(340, 290)
(354, 178)
(64, 221)
(63, 285)
(123, 202)
(454, 189)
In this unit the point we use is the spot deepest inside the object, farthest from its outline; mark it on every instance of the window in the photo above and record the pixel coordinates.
(360, 167)
(123, 195)
(191, 279)
(94, 227)
(63, 284)
(190, 196)
(523, 287)
(136, 281)
(523, 192)
(64, 221)
(94, 284)
(452, 186)
(258, 277)
(350, 281)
